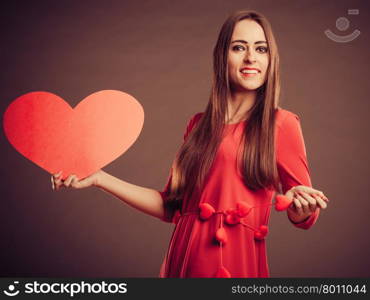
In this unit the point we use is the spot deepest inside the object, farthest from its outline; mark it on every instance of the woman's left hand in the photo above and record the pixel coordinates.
(305, 201)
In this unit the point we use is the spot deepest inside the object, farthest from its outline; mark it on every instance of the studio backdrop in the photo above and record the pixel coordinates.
(160, 52)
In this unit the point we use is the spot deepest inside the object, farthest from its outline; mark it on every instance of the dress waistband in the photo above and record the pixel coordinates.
(241, 211)
(232, 216)
(198, 212)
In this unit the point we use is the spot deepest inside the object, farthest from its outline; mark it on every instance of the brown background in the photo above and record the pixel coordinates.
(160, 52)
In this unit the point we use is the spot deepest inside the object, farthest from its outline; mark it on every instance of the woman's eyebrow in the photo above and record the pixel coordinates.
(245, 42)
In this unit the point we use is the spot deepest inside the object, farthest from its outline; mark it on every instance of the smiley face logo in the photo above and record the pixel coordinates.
(12, 290)
(342, 24)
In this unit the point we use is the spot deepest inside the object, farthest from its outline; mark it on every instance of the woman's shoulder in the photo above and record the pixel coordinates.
(195, 118)
(192, 122)
(283, 116)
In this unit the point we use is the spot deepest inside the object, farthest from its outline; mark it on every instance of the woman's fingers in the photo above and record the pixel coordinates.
(314, 200)
(69, 179)
(309, 204)
(57, 174)
(56, 181)
(52, 182)
(306, 206)
(76, 183)
(310, 190)
(298, 206)
(321, 202)
(79, 184)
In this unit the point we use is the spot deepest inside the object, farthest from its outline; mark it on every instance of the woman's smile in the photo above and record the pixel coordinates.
(249, 73)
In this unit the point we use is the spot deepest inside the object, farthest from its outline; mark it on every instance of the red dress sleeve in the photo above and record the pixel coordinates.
(292, 161)
(170, 210)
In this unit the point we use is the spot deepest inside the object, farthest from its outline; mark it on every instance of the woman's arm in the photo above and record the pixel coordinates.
(144, 199)
(147, 200)
(294, 172)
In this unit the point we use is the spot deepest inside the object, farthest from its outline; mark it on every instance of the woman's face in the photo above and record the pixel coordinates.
(248, 49)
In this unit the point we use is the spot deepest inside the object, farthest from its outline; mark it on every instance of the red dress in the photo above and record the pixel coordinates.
(225, 241)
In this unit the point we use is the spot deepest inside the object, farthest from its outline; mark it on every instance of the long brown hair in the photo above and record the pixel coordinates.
(196, 155)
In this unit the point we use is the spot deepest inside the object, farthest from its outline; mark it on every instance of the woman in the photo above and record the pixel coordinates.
(234, 157)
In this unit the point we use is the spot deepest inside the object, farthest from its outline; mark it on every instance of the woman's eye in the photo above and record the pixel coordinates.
(262, 49)
(238, 47)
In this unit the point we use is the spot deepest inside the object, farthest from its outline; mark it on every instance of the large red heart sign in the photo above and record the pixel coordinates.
(81, 140)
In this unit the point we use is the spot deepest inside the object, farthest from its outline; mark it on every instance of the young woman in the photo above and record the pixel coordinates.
(236, 154)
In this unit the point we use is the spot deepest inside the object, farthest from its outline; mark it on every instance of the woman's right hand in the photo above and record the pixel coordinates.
(73, 181)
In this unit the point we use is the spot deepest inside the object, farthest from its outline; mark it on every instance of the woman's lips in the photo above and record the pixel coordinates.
(249, 74)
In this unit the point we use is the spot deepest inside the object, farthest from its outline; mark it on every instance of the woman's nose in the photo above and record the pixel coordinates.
(250, 56)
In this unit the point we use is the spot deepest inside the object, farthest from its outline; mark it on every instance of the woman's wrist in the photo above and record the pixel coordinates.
(98, 180)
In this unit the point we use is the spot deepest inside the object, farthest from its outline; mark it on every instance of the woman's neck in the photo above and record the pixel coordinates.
(239, 104)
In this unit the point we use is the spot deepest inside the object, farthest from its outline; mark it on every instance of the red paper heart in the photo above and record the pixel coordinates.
(81, 140)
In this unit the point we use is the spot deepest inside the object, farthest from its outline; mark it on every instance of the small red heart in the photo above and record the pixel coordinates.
(223, 273)
(282, 202)
(80, 140)
(221, 235)
(230, 211)
(264, 229)
(242, 208)
(232, 218)
(258, 235)
(206, 211)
